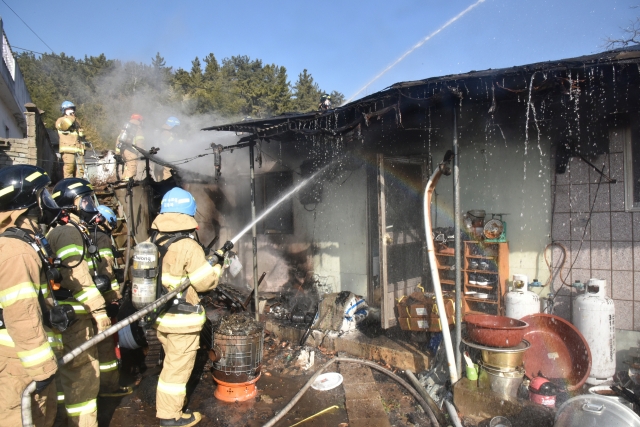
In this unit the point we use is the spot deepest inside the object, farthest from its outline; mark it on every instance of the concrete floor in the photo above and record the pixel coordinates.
(388, 403)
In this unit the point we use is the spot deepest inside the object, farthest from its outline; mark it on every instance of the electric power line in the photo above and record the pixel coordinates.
(45, 43)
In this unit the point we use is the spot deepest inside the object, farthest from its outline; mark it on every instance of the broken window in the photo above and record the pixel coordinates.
(269, 188)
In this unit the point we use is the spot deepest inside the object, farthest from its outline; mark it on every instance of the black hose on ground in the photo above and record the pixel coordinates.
(432, 418)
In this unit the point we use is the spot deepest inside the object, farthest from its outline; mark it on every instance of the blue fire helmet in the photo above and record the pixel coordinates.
(172, 121)
(178, 200)
(66, 105)
(109, 216)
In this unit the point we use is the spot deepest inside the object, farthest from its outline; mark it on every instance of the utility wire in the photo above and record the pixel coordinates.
(73, 61)
(45, 43)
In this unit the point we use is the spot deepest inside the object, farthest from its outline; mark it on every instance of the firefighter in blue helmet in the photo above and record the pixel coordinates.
(179, 331)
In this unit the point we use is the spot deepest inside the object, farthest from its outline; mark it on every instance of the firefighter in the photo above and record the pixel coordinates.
(71, 141)
(26, 345)
(101, 233)
(178, 332)
(325, 102)
(131, 135)
(168, 139)
(79, 380)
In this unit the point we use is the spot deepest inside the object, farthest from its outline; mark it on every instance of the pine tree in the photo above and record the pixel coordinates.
(306, 92)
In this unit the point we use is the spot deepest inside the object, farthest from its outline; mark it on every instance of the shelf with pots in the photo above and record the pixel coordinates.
(485, 273)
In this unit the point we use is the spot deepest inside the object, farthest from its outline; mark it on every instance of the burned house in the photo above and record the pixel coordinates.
(550, 145)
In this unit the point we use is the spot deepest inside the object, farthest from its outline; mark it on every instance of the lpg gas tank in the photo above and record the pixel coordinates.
(521, 302)
(594, 316)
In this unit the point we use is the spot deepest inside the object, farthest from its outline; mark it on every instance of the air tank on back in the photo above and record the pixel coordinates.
(594, 316)
(521, 302)
(143, 274)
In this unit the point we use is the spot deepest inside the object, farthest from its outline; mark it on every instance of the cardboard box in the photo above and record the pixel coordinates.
(428, 324)
(421, 306)
(419, 312)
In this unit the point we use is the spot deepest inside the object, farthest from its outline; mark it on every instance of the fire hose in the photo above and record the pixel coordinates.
(27, 419)
(432, 418)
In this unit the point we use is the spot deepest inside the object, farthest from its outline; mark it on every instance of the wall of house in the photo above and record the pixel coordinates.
(499, 176)
(35, 149)
(610, 249)
(329, 243)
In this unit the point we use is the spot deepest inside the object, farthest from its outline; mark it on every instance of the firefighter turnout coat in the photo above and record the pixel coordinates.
(79, 380)
(71, 146)
(180, 333)
(26, 345)
(130, 156)
(109, 375)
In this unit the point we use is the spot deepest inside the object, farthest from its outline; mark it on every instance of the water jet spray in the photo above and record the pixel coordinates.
(420, 43)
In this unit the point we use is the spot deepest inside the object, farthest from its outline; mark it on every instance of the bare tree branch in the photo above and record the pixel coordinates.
(630, 35)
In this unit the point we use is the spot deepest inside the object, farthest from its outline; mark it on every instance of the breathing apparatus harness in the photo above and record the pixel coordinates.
(60, 316)
(178, 304)
(102, 282)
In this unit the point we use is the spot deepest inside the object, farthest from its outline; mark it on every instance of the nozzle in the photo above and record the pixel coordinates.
(227, 246)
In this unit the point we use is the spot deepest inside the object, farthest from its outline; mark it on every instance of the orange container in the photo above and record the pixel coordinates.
(236, 392)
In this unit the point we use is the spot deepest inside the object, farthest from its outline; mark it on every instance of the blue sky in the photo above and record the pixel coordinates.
(344, 44)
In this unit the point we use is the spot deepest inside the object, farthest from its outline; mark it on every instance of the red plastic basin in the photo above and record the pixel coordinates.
(495, 331)
(558, 351)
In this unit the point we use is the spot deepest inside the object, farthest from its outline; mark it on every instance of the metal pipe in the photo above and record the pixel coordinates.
(443, 168)
(27, 420)
(457, 246)
(253, 230)
(432, 404)
(453, 414)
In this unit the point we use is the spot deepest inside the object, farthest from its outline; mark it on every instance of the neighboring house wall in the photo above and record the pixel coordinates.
(36, 149)
(611, 246)
(13, 93)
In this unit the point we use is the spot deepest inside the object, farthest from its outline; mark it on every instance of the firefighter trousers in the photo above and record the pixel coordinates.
(13, 381)
(79, 380)
(69, 168)
(130, 159)
(180, 356)
(109, 375)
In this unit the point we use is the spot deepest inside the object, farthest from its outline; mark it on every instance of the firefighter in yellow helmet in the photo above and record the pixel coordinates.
(178, 329)
(26, 344)
(131, 135)
(71, 141)
(79, 381)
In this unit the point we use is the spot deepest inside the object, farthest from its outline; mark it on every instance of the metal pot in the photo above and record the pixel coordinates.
(592, 410)
(500, 381)
(508, 358)
(606, 392)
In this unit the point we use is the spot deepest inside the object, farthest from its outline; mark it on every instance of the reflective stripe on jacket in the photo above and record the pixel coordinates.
(105, 265)
(70, 139)
(67, 244)
(24, 336)
(184, 258)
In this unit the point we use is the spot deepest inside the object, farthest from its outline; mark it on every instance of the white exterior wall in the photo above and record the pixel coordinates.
(7, 119)
(340, 233)
(500, 184)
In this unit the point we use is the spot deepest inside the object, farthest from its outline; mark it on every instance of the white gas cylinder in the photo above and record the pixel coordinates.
(520, 301)
(594, 316)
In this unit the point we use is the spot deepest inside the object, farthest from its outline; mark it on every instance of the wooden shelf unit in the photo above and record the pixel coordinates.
(497, 256)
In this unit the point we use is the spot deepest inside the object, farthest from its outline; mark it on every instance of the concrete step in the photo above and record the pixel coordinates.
(396, 353)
